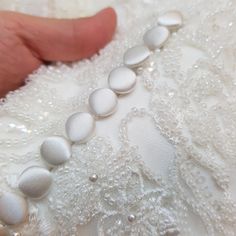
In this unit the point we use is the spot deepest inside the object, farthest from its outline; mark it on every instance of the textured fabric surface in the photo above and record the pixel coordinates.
(181, 177)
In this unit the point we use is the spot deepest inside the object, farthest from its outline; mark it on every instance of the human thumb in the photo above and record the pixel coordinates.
(66, 39)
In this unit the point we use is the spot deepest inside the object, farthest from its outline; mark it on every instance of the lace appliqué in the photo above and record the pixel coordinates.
(124, 200)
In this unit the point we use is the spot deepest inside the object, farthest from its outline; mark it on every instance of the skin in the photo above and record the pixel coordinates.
(27, 42)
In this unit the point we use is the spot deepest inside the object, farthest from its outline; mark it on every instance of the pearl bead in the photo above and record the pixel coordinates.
(13, 208)
(171, 19)
(93, 178)
(80, 127)
(156, 37)
(103, 102)
(122, 80)
(135, 56)
(56, 150)
(131, 218)
(35, 182)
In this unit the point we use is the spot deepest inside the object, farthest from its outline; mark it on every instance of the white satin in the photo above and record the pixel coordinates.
(157, 153)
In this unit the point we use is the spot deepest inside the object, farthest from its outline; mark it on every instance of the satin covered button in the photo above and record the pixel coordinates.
(135, 56)
(35, 182)
(122, 80)
(156, 37)
(80, 127)
(103, 102)
(13, 209)
(56, 150)
(171, 19)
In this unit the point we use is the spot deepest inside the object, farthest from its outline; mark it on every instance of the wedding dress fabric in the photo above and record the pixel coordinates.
(165, 161)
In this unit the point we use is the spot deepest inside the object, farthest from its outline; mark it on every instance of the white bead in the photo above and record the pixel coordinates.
(135, 56)
(156, 37)
(122, 80)
(103, 102)
(35, 182)
(55, 150)
(80, 127)
(171, 19)
(13, 208)
(131, 218)
(93, 178)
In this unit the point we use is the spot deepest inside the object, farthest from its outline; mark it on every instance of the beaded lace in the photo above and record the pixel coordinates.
(191, 102)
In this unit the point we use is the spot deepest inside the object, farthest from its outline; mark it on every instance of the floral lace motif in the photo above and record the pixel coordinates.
(192, 105)
(123, 190)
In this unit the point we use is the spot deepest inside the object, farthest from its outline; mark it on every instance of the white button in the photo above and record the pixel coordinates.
(122, 80)
(156, 37)
(103, 102)
(80, 127)
(171, 19)
(13, 208)
(135, 56)
(56, 150)
(35, 182)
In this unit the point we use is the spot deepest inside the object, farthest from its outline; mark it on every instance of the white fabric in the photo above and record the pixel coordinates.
(176, 87)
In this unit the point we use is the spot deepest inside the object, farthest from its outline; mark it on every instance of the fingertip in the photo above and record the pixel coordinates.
(109, 17)
(109, 11)
(71, 39)
(113, 16)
